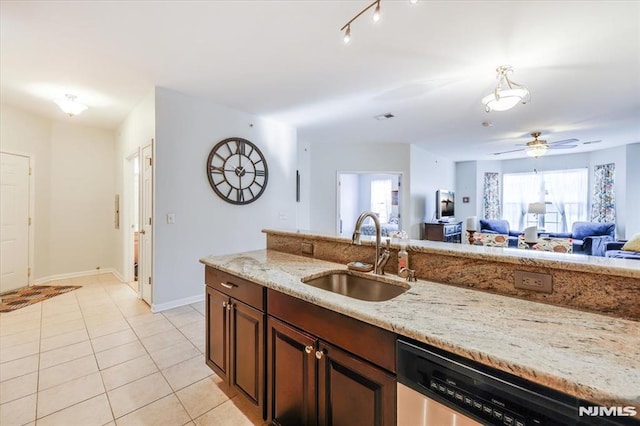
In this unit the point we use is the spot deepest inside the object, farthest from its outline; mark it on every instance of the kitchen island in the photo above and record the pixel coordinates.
(590, 356)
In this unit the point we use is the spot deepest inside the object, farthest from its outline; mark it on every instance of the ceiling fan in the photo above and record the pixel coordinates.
(538, 147)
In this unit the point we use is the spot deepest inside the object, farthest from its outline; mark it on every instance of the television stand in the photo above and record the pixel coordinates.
(449, 232)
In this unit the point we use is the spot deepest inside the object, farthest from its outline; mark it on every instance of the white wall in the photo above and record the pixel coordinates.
(82, 199)
(429, 173)
(329, 158)
(73, 184)
(27, 134)
(633, 191)
(137, 130)
(187, 128)
(467, 186)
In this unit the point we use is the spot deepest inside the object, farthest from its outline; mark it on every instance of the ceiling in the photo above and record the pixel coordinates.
(429, 64)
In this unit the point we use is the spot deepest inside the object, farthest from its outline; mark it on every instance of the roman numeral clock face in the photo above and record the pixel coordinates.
(237, 171)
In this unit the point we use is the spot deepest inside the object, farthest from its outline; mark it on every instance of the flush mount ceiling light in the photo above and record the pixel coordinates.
(69, 105)
(376, 17)
(507, 93)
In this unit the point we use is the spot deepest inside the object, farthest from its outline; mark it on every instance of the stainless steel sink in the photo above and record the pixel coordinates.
(358, 286)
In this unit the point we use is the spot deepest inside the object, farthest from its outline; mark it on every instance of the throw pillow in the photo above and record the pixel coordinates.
(633, 244)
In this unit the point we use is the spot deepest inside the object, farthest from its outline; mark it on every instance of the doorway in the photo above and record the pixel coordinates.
(132, 220)
(14, 221)
(367, 191)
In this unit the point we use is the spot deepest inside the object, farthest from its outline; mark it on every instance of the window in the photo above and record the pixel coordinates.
(564, 192)
(381, 198)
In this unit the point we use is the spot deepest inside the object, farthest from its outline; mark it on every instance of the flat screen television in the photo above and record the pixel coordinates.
(445, 204)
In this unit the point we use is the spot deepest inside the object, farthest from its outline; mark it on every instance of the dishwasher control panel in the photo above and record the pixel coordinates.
(487, 395)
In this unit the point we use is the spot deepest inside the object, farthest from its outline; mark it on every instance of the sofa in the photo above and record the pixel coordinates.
(614, 249)
(588, 237)
(499, 226)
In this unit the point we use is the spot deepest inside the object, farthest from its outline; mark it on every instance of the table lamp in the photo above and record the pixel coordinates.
(537, 209)
(471, 227)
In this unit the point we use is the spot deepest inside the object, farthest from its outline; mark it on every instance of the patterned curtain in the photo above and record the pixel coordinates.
(491, 196)
(603, 208)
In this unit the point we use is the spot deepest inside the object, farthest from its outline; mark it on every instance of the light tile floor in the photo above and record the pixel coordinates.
(98, 356)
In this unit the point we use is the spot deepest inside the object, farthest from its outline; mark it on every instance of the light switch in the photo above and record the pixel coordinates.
(171, 218)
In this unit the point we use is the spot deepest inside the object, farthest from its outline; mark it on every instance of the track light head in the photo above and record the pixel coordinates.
(376, 13)
(347, 34)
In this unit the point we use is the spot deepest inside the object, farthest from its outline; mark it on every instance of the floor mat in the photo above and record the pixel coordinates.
(16, 299)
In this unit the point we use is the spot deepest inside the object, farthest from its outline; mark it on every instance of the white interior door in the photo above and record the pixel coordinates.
(145, 258)
(14, 222)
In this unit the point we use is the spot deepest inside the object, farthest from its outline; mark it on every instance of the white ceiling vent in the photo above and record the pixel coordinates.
(384, 116)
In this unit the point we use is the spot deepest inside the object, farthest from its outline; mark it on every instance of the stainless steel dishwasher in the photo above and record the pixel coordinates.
(436, 388)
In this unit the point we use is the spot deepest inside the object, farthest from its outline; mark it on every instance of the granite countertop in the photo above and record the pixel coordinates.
(567, 261)
(590, 356)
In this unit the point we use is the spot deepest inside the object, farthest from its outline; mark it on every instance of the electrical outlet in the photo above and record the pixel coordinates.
(533, 281)
(307, 249)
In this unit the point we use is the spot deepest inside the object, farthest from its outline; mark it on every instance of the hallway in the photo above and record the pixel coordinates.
(98, 356)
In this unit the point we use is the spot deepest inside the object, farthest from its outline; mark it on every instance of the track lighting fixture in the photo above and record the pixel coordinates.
(376, 13)
(376, 17)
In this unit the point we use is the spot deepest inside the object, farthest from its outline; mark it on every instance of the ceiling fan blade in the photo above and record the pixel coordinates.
(591, 142)
(507, 152)
(562, 146)
(563, 142)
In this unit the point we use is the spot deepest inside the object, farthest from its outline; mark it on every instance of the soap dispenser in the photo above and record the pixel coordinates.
(403, 255)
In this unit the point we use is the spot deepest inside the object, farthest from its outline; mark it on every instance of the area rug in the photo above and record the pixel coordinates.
(16, 299)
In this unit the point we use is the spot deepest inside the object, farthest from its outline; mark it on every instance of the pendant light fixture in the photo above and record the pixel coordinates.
(507, 93)
(69, 105)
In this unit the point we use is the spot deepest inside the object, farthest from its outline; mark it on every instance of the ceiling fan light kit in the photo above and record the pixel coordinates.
(536, 150)
(70, 106)
(507, 93)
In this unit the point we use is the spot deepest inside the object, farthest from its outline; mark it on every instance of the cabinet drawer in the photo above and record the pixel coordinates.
(240, 289)
(369, 342)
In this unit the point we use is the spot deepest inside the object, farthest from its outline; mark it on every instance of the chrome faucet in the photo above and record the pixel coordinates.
(380, 261)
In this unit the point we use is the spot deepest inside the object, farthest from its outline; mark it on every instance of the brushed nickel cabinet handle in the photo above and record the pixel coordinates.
(308, 349)
(228, 285)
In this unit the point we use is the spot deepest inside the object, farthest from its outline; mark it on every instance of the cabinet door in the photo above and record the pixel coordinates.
(217, 339)
(291, 371)
(247, 352)
(353, 392)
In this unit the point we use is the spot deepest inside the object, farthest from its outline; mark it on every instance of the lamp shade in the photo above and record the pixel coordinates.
(471, 223)
(531, 234)
(537, 208)
(504, 99)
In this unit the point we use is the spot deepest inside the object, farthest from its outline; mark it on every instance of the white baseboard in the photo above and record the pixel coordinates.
(176, 303)
(67, 276)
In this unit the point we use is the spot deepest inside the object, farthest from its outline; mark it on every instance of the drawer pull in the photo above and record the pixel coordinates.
(229, 306)
(308, 349)
(224, 304)
(229, 286)
(319, 354)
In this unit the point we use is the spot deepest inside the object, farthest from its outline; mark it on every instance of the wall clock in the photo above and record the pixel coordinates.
(237, 171)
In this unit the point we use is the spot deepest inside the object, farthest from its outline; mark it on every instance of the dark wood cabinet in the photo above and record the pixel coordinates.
(235, 335)
(313, 382)
(291, 383)
(447, 232)
(353, 392)
(217, 350)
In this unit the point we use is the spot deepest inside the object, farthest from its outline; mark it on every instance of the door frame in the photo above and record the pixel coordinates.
(127, 222)
(402, 206)
(32, 198)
